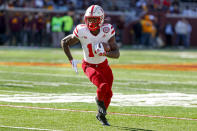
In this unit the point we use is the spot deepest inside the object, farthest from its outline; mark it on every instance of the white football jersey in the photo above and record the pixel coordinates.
(88, 41)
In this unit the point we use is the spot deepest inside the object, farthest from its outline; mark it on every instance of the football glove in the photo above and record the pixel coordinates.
(74, 64)
(99, 49)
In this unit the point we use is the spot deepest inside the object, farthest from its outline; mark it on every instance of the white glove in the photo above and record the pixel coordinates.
(74, 64)
(99, 49)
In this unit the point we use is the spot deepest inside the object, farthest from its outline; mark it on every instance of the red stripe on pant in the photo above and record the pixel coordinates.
(102, 77)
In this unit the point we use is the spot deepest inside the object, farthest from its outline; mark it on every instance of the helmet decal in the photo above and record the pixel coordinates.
(92, 9)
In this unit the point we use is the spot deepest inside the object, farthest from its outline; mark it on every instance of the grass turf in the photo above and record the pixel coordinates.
(29, 79)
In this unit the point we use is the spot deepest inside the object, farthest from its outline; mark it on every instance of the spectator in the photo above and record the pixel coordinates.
(189, 33)
(155, 31)
(57, 34)
(71, 6)
(15, 25)
(157, 4)
(2, 28)
(39, 3)
(137, 28)
(27, 29)
(40, 25)
(61, 4)
(1, 3)
(181, 29)
(168, 31)
(67, 23)
(147, 28)
(120, 26)
(49, 4)
(48, 32)
(174, 8)
(188, 12)
(166, 4)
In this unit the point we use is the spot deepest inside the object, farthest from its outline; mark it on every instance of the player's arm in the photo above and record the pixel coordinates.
(114, 52)
(67, 42)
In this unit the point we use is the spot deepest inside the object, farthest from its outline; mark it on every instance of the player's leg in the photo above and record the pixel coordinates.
(108, 94)
(97, 79)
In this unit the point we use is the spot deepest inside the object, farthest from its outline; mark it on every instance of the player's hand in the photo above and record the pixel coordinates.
(99, 49)
(74, 64)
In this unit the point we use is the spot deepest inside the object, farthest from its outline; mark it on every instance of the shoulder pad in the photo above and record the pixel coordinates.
(79, 30)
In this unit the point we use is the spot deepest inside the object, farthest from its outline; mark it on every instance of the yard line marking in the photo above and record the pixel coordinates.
(41, 68)
(15, 84)
(28, 128)
(112, 113)
(42, 83)
(118, 72)
(88, 84)
(151, 99)
(84, 77)
(44, 74)
(160, 74)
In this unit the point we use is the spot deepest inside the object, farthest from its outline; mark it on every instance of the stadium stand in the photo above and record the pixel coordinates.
(126, 13)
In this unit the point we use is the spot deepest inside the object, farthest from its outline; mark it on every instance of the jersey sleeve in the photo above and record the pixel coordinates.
(76, 32)
(109, 30)
(79, 31)
(112, 30)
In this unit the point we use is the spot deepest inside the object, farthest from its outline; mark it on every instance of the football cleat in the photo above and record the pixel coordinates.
(101, 106)
(102, 119)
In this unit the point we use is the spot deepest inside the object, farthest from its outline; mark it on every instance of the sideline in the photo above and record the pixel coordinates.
(112, 113)
(171, 67)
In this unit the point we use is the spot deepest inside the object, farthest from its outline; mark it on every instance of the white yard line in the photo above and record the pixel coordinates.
(119, 72)
(160, 74)
(113, 113)
(84, 77)
(27, 128)
(32, 83)
(151, 99)
(44, 74)
(83, 84)
(41, 68)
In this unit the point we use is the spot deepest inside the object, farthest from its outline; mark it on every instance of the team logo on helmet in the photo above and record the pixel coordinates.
(106, 29)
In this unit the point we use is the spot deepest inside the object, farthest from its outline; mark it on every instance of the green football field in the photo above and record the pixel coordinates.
(154, 90)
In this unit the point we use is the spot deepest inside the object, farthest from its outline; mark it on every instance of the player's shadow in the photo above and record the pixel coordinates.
(131, 129)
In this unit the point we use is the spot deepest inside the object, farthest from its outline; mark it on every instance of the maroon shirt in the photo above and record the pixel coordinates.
(40, 23)
(27, 23)
(15, 24)
(2, 24)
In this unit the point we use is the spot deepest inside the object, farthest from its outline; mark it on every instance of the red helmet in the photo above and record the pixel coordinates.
(94, 17)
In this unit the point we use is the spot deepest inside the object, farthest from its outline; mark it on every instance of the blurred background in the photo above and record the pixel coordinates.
(138, 23)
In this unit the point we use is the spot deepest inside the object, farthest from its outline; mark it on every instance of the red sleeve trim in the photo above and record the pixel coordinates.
(76, 29)
(112, 31)
(76, 34)
(112, 27)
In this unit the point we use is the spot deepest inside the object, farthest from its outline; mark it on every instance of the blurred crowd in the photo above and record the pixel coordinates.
(46, 29)
(171, 6)
(149, 33)
(35, 29)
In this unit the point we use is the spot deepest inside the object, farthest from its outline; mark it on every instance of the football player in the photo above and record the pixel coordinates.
(92, 35)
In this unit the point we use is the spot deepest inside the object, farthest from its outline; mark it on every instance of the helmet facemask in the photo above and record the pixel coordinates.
(93, 22)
